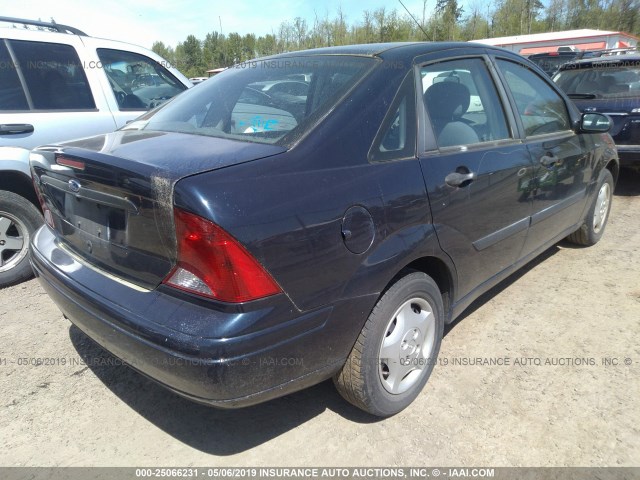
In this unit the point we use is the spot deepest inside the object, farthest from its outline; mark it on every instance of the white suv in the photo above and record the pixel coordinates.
(57, 83)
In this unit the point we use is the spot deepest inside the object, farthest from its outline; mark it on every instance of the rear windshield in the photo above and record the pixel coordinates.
(550, 63)
(272, 101)
(601, 79)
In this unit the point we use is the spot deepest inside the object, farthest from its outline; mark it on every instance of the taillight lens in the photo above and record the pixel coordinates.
(48, 217)
(213, 264)
(70, 162)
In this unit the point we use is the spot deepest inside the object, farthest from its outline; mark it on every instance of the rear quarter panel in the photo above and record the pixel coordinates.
(288, 209)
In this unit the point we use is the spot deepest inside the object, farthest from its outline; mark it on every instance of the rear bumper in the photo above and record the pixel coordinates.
(227, 358)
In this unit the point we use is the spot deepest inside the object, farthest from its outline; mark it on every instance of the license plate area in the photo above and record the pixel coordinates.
(99, 221)
(101, 215)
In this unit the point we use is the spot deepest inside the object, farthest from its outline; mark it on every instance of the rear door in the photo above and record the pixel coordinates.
(476, 170)
(46, 95)
(561, 165)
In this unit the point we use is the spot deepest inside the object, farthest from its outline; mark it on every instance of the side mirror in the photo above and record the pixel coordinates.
(594, 123)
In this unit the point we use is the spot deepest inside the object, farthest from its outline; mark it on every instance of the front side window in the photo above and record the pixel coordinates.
(54, 76)
(258, 102)
(540, 108)
(462, 103)
(138, 82)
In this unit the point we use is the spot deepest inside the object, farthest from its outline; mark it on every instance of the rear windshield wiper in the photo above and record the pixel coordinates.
(582, 95)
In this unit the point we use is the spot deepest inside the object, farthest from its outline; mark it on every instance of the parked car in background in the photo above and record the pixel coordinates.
(609, 85)
(550, 62)
(57, 83)
(196, 80)
(287, 98)
(284, 86)
(236, 250)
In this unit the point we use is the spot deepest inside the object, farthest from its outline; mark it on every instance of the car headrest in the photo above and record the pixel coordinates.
(447, 100)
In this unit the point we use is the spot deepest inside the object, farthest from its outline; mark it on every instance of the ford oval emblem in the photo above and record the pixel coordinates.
(74, 186)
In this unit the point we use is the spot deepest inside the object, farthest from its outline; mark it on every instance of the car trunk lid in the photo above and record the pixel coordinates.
(111, 196)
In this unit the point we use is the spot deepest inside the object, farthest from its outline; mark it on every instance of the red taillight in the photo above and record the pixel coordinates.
(214, 264)
(48, 217)
(70, 162)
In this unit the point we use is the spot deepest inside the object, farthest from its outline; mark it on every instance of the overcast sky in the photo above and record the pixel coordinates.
(144, 21)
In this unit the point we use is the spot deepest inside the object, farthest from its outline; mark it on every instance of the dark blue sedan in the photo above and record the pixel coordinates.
(609, 85)
(242, 242)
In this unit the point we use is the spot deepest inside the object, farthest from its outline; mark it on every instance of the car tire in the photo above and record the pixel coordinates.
(19, 219)
(397, 348)
(595, 222)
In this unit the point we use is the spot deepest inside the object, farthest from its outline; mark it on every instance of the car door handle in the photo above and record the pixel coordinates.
(455, 179)
(548, 160)
(15, 128)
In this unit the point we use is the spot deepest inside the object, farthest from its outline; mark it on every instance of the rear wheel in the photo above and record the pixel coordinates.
(19, 219)
(397, 349)
(593, 227)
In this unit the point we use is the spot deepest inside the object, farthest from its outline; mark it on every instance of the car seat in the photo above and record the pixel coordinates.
(446, 103)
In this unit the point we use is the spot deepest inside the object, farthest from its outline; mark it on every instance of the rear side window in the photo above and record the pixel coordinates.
(540, 108)
(396, 138)
(258, 102)
(138, 82)
(12, 96)
(54, 76)
(462, 103)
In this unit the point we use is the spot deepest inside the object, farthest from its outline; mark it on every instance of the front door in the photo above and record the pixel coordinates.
(561, 167)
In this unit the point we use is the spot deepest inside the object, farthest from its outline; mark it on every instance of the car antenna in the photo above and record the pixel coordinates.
(415, 20)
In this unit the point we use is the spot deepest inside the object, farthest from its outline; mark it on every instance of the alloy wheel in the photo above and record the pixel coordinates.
(14, 241)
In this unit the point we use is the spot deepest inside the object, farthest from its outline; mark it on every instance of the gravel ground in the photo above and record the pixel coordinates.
(566, 330)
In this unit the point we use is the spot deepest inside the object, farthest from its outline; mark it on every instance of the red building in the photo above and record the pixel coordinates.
(584, 39)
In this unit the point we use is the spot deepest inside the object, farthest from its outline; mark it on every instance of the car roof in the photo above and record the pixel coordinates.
(398, 50)
(368, 49)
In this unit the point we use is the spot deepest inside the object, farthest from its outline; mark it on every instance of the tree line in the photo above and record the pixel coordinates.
(446, 21)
